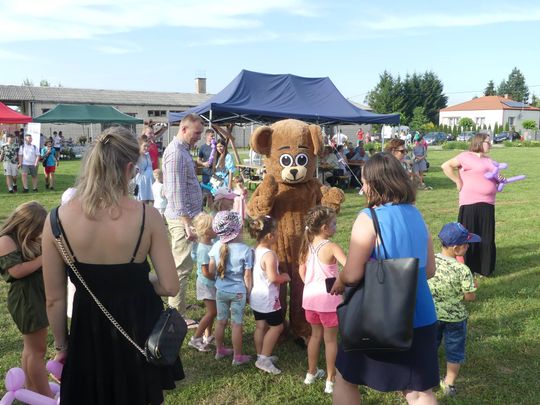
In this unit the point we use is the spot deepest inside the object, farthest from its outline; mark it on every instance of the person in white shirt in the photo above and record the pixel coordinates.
(28, 161)
(160, 202)
(340, 138)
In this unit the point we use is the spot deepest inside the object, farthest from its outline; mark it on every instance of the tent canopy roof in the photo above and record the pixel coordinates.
(9, 116)
(86, 114)
(261, 97)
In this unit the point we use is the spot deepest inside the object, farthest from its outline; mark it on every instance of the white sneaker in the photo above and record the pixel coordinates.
(198, 344)
(310, 378)
(273, 359)
(266, 365)
(329, 388)
(208, 340)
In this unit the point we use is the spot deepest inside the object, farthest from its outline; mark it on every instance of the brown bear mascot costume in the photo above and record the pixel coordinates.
(289, 189)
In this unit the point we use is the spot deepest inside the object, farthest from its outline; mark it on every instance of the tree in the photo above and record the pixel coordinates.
(496, 129)
(419, 119)
(44, 83)
(490, 89)
(507, 126)
(514, 86)
(385, 97)
(396, 95)
(27, 82)
(535, 101)
(466, 122)
(529, 124)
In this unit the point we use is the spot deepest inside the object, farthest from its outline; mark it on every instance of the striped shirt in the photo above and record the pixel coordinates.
(180, 185)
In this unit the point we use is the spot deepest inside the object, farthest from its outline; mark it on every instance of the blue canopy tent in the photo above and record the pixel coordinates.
(265, 98)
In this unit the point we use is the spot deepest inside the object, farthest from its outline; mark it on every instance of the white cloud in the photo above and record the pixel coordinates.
(33, 20)
(438, 20)
(118, 48)
(8, 55)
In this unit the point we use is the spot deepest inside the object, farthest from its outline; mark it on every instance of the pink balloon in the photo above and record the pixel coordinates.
(15, 379)
(33, 398)
(55, 368)
(8, 398)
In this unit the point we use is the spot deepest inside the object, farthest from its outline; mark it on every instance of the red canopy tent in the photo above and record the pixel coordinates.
(9, 116)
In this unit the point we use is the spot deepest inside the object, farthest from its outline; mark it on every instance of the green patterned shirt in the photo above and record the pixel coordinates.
(452, 279)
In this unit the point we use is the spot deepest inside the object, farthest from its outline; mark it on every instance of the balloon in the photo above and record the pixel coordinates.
(501, 181)
(55, 368)
(14, 381)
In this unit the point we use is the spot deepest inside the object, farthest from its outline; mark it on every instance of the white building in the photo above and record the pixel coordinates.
(489, 110)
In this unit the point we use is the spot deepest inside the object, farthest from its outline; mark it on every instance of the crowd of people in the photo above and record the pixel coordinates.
(110, 235)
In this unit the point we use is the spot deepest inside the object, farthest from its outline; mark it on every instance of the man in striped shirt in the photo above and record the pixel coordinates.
(184, 201)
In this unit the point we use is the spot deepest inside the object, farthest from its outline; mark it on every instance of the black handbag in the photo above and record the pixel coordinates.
(163, 343)
(377, 313)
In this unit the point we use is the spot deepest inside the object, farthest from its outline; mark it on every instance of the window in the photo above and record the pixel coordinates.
(44, 110)
(157, 113)
(510, 121)
(131, 114)
(480, 121)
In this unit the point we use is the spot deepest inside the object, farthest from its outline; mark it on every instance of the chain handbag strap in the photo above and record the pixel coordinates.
(71, 265)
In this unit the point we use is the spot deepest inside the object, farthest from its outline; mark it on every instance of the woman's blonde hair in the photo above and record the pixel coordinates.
(202, 224)
(223, 256)
(314, 220)
(102, 180)
(25, 226)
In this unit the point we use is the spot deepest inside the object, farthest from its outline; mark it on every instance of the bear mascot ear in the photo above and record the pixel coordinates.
(316, 138)
(261, 140)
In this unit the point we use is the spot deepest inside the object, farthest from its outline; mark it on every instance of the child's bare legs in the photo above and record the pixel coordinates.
(205, 324)
(330, 348)
(33, 362)
(420, 397)
(220, 333)
(258, 336)
(270, 339)
(236, 338)
(314, 346)
(345, 393)
(452, 371)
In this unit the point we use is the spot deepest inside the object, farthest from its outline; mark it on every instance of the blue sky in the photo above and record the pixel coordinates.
(163, 45)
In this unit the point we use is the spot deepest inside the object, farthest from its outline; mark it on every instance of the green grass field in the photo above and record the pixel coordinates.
(503, 363)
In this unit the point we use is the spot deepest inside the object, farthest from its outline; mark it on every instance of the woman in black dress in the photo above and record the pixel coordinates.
(109, 236)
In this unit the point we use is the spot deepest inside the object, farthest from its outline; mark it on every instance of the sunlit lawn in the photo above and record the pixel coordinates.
(503, 364)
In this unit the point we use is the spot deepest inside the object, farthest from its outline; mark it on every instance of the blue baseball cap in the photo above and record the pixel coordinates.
(455, 234)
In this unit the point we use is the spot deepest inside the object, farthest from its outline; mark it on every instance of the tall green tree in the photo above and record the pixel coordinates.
(419, 119)
(535, 101)
(490, 89)
(514, 86)
(385, 98)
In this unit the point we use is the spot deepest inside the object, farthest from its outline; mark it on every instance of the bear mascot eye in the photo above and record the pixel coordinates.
(286, 160)
(302, 159)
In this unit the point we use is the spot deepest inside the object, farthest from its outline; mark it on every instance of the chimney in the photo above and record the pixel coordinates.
(200, 85)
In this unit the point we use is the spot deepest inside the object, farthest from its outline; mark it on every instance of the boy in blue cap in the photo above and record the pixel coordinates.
(453, 282)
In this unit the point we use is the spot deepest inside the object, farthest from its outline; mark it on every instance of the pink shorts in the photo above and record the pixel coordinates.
(326, 319)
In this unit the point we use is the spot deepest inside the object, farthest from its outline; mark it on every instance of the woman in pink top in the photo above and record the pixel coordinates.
(476, 200)
(318, 258)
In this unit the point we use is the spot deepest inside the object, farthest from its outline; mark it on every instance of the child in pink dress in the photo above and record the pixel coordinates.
(318, 268)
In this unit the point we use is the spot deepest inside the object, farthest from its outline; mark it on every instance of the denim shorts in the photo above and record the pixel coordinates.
(233, 302)
(455, 335)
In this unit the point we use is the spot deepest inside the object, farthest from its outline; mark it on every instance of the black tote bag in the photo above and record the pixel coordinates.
(377, 314)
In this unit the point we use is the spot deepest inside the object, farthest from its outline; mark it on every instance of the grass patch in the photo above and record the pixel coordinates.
(504, 329)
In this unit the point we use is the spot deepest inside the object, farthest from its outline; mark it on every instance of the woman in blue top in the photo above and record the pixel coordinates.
(145, 174)
(225, 163)
(415, 371)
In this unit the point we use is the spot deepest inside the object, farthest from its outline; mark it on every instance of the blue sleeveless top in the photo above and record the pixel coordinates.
(405, 235)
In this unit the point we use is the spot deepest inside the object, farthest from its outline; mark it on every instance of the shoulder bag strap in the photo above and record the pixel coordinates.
(379, 234)
(57, 232)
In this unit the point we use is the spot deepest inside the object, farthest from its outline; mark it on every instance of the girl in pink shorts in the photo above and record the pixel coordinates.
(319, 259)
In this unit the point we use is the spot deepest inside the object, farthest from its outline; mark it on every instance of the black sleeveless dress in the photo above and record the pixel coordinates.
(102, 367)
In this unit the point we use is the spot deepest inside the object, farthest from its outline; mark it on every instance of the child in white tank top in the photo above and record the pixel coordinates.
(264, 298)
